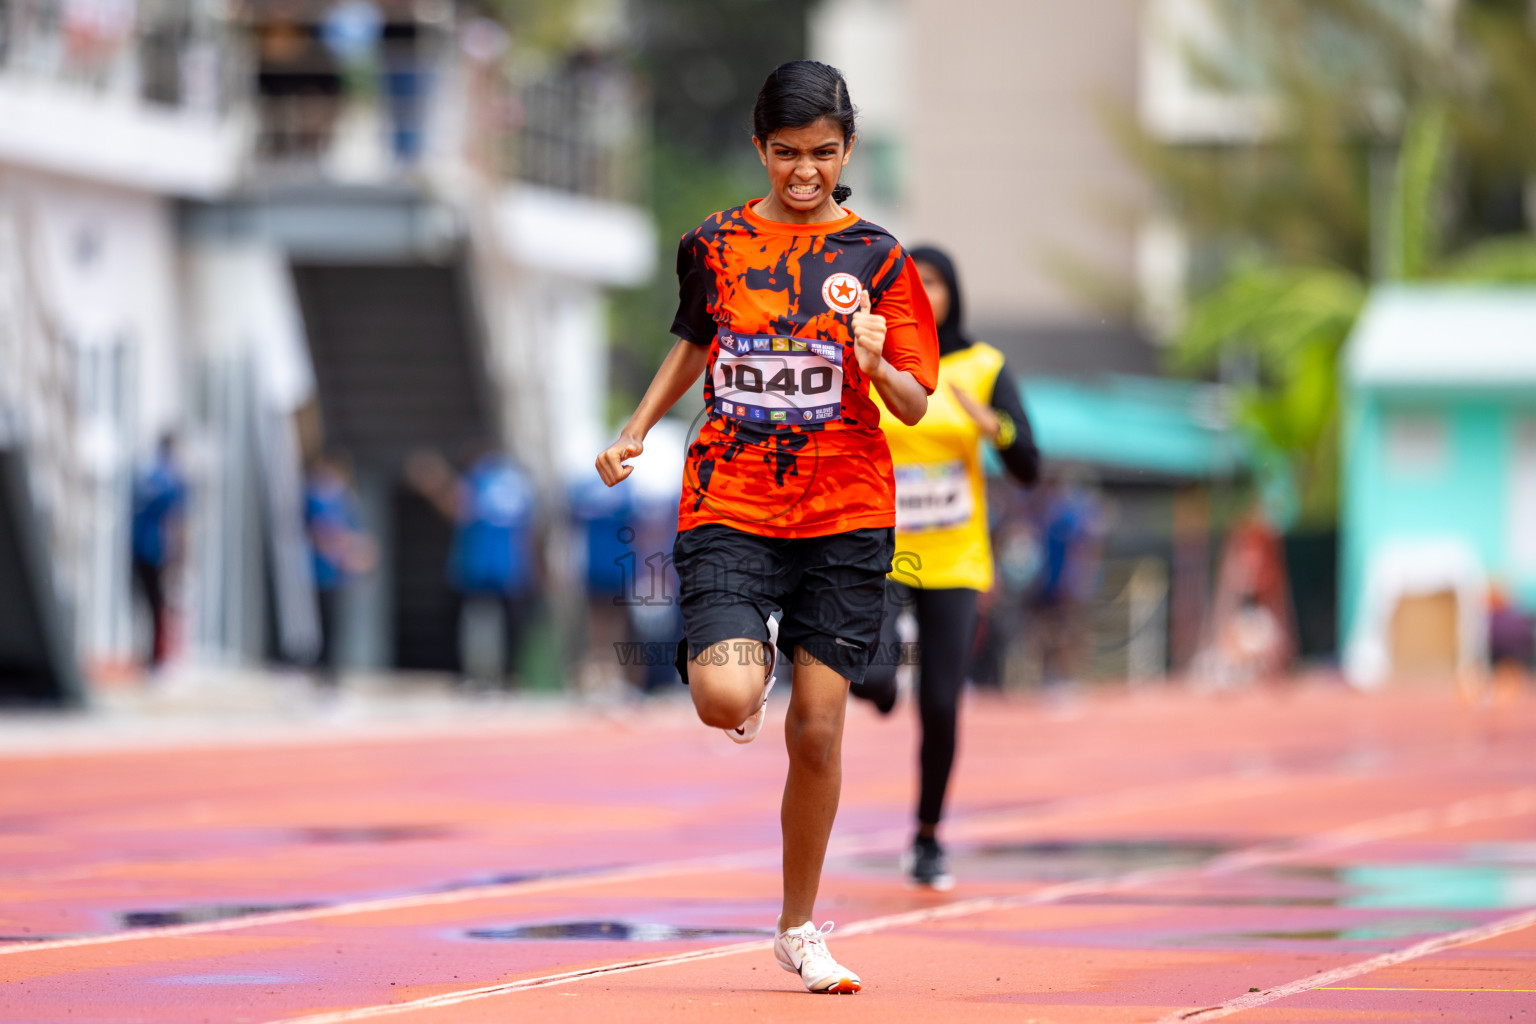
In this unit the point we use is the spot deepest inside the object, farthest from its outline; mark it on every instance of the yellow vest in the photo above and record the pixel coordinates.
(941, 497)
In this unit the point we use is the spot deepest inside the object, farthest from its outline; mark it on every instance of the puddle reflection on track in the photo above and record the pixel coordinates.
(1215, 899)
(163, 917)
(204, 913)
(1440, 886)
(1067, 860)
(611, 931)
(1403, 886)
(1393, 928)
(1473, 876)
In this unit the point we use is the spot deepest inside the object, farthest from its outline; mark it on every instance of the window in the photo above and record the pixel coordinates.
(1416, 445)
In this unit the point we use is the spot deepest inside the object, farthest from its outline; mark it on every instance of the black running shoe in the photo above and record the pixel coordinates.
(881, 693)
(929, 869)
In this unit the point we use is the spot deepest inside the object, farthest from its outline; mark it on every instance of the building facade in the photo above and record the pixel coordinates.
(281, 229)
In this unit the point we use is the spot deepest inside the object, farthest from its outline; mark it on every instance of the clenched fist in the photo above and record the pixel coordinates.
(610, 464)
(868, 335)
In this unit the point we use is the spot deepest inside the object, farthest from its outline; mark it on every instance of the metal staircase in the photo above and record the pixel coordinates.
(398, 367)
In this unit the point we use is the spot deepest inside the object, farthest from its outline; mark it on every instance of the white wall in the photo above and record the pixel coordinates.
(61, 130)
(96, 266)
(1004, 112)
(867, 40)
(105, 265)
(247, 345)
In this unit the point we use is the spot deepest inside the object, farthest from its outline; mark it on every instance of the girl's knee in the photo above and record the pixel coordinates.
(814, 742)
(723, 707)
(723, 695)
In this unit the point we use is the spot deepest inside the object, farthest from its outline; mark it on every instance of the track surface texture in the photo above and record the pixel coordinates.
(1309, 854)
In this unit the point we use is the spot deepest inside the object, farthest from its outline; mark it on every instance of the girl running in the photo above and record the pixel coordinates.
(800, 312)
(941, 532)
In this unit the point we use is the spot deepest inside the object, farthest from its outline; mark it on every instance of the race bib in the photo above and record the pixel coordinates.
(769, 379)
(932, 496)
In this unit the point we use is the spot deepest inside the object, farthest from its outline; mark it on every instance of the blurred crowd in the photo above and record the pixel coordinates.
(1036, 629)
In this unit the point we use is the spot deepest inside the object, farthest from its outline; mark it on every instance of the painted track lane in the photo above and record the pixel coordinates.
(1124, 860)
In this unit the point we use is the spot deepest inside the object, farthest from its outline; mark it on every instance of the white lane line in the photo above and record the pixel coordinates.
(1463, 812)
(1162, 797)
(1428, 947)
(865, 927)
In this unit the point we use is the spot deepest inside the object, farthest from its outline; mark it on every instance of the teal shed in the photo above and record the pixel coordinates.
(1439, 471)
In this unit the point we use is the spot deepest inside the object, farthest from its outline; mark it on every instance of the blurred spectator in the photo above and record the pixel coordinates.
(657, 620)
(298, 80)
(1250, 644)
(1000, 642)
(339, 549)
(351, 31)
(1069, 524)
(1511, 643)
(159, 505)
(407, 82)
(488, 107)
(1252, 636)
(491, 565)
(96, 33)
(614, 576)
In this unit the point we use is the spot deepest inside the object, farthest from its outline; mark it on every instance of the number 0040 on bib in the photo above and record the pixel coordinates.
(764, 378)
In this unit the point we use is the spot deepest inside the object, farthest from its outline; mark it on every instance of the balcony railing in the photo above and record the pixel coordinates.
(577, 131)
(365, 95)
(178, 54)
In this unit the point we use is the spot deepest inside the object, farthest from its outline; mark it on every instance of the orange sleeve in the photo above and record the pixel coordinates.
(911, 338)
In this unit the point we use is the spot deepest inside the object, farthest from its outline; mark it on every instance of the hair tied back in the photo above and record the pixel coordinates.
(802, 92)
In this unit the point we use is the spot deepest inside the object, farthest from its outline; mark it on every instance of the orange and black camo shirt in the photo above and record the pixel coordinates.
(791, 445)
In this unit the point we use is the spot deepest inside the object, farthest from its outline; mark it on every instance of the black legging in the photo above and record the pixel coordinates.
(946, 630)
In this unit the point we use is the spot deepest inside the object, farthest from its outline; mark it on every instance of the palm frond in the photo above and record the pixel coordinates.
(1500, 260)
(1272, 311)
(1413, 229)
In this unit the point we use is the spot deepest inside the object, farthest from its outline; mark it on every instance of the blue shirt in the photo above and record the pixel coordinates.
(603, 513)
(1069, 521)
(495, 525)
(158, 496)
(327, 509)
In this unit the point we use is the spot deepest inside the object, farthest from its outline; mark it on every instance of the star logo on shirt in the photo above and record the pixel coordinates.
(841, 292)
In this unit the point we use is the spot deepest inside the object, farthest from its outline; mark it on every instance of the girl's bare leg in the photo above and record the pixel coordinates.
(813, 733)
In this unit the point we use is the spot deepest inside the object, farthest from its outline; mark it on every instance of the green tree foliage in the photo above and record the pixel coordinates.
(1402, 144)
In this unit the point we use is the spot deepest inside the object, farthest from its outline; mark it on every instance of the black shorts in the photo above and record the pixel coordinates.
(831, 591)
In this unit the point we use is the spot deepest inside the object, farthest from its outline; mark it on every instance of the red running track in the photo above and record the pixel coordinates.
(1310, 856)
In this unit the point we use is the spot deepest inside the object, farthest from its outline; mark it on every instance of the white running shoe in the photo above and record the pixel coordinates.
(803, 951)
(747, 731)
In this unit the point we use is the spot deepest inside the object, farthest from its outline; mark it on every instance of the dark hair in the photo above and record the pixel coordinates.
(800, 93)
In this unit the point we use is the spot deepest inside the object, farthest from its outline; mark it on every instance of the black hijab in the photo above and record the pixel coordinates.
(950, 338)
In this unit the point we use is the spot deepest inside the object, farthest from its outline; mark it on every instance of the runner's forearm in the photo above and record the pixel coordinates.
(901, 392)
(1016, 443)
(677, 374)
